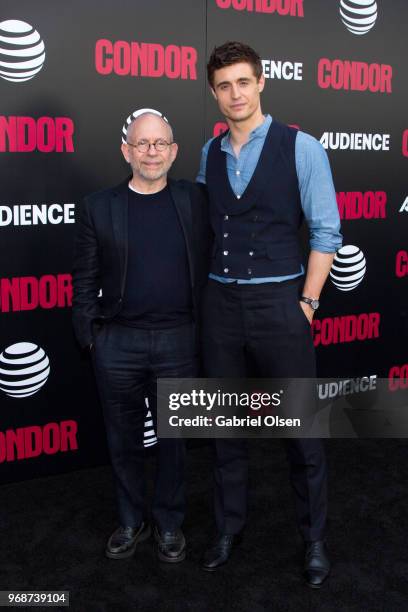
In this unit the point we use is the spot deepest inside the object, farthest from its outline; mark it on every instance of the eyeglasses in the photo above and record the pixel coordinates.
(143, 146)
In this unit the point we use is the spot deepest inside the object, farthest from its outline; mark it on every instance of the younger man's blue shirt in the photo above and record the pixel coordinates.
(317, 194)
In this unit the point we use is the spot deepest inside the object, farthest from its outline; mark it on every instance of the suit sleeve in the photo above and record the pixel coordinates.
(205, 233)
(85, 277)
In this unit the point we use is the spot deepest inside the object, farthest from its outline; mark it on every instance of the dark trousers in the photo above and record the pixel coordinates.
(127, 363)
(261, 330)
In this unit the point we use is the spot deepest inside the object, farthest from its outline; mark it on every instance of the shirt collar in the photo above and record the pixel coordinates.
(258, 132)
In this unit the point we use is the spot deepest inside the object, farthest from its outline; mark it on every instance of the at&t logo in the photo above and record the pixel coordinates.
(137, 114)
(24, 369)
(348, 268)
(359, 16)
(22, 51)
(149, 435)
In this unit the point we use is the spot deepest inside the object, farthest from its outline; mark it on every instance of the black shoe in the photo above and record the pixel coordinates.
(123, 541)
(220, 551)
(317, 564)
(171, 545)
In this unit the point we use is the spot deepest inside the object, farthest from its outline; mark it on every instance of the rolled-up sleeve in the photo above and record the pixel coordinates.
(317, 194)
(200, 178)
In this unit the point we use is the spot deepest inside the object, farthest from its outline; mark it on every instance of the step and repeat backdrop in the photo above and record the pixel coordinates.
(70, 76)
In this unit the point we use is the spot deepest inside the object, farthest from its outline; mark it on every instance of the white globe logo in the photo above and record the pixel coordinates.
(24, 369)
(136, 114)
(348, 269)
(359, 16)
(22, 52)
(149, 437)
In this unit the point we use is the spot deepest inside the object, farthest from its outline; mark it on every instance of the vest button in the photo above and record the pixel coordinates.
(225, 252)
(225, 217)
(256, 218)
(251, 253)
(238, 197)
(226, 270)
(249, 271)
(253, 235)
(226, 235)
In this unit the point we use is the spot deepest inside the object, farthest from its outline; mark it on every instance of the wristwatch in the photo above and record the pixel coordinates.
(313, 303)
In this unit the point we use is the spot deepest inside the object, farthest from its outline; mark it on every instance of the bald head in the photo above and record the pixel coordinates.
(149, 166)
(149, 121)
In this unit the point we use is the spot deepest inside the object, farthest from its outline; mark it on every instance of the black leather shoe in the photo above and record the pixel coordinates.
(171, 545)
(220, 551)
(317, 564)
(123, 541)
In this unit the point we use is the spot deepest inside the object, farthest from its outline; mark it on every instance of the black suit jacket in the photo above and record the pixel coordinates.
(101, 252)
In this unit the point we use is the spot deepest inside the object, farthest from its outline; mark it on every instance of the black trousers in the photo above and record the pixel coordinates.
(127, 363)
(261, 330)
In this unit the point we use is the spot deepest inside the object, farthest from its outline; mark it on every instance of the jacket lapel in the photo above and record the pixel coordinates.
(119, 205)
(181, 199)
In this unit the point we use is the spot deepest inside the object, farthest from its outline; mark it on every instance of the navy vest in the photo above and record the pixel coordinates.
(256, 235)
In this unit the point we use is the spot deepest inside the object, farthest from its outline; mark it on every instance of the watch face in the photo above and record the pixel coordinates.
(315, 304)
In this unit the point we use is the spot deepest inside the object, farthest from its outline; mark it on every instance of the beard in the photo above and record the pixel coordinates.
(151, 173)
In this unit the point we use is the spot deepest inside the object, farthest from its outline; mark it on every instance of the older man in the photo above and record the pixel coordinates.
(143, 244)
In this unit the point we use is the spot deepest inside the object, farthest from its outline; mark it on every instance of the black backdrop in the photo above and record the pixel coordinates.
(96, 105)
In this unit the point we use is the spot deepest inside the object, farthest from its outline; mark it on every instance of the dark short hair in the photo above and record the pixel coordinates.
(233, 52)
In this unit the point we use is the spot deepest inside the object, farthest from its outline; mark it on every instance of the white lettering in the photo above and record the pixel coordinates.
(282, 70)
(355, 141)
(37, 214)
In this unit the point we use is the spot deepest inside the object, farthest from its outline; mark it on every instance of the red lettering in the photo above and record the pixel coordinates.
(51, 438)
(346, 329)
(121, 57)
(15, 444)
(386, 77)
(33, 441)
(323, 76)
(282, 7)
(355, 76)
(189, 63)
(64, 290)
(398, 377)
(374, 324)
(69, 430)
(405, 143)
(64, 131)
(361, 328)
(172, 62)
(45, 134)
(47, 291)
(28, 293)
(220, 128)
(3, 450)
(145, 59)
(26, 134)
(356, 204)
(155, 61)
(401, 264)
(8, 128)
(9, 294)
(140, 57)
(103, 56)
